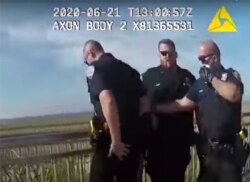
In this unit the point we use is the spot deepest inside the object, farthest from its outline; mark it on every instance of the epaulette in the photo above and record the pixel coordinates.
(234, 73)
(231, 70)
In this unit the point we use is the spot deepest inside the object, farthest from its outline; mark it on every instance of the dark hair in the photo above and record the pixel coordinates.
(167, 42)
(95, 45)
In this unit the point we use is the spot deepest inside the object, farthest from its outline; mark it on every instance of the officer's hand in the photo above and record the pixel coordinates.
(206, 73)
(119, 149)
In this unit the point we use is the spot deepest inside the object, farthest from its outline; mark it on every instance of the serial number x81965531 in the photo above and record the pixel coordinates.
(162, 25)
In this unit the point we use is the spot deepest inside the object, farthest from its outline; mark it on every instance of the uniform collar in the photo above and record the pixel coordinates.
(164, 70)
(218, 72)
(107, 57)
(221, 68)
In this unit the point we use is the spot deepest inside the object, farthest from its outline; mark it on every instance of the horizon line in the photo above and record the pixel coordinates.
(61, 113)
(48, 114)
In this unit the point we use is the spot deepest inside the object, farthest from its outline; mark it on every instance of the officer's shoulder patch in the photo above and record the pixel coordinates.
(90, 71)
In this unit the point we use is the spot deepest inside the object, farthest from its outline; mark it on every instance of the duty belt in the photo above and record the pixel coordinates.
(217, 146)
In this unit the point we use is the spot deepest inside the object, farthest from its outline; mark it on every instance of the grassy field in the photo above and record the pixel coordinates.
(46, 120)
(58, 161)
(246, 109)
(57, 123)
(44, 124)
(246, 119)
(50, 160)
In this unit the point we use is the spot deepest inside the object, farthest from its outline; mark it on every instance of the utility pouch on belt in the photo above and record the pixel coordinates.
(96, 129)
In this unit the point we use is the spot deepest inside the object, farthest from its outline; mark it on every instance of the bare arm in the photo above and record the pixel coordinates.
(100, 86)
(110, 113)
(183, 104)
(228, 90)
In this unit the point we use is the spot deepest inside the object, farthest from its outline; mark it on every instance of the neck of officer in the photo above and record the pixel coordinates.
(99, 55)
(169, 67)
(218, 67)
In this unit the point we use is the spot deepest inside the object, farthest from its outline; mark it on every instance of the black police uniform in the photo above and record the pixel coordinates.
(219, 121)
(169, 153)
(127, 88)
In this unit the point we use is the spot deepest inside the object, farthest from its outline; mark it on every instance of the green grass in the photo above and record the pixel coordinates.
(44, 129)
(45, 124)
(55, 124)
(71, 168)
(246, 120)
(47, 120)
(63, 124)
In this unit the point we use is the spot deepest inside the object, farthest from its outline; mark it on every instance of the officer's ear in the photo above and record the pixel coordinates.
(213, 59)
(92, 54)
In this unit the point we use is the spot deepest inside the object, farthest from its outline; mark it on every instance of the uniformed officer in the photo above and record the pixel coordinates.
(217, 96)
(169, 153)
(116, 92)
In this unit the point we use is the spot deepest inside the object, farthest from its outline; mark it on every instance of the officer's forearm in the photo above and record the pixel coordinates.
(183, 104)
(229, 91)
(165, 108)
(112, 119)
(110, 113)
(168, 107)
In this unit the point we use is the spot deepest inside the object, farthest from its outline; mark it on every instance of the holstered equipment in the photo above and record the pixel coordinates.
(97, 129)
(239, 147)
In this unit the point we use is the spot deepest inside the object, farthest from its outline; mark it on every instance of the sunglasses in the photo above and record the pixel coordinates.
(165, 53)
(204, 58)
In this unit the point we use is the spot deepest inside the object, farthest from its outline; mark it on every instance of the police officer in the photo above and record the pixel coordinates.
(169, 153)
(217, 97)
(116, 92)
